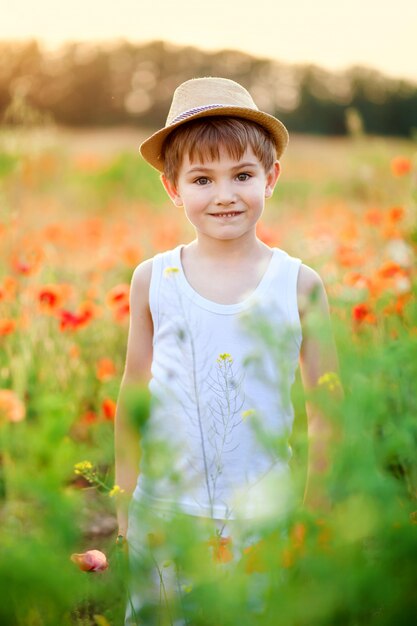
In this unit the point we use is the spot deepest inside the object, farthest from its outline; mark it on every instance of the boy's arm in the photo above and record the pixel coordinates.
(137, 371)
(317, 357)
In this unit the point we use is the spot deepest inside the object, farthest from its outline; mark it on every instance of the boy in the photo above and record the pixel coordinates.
(221, 390)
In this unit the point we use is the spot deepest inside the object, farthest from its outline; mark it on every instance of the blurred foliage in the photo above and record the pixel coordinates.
(84, 84)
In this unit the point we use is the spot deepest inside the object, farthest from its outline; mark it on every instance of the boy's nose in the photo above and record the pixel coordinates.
(224, 195)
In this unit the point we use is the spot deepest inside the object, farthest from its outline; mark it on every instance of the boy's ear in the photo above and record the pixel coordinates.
(271, 179)
(171, 190)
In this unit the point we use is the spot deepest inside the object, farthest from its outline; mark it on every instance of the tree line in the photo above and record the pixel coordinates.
(119, 82)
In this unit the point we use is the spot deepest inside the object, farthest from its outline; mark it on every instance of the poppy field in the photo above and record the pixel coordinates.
(75, 220)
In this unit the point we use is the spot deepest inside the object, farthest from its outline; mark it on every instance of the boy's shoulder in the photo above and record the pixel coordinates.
(309, 287)
(143, 271)
(308, 279)
(141, 280)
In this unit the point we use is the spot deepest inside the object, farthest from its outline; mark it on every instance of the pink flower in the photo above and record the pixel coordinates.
(91, 561)
(12, 408)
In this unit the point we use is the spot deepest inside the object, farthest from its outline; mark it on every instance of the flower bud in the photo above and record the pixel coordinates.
(91, 561)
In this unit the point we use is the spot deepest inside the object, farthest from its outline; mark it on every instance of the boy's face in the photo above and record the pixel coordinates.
(223, 199)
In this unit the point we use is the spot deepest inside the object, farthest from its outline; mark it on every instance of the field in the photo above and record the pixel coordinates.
(78, 211)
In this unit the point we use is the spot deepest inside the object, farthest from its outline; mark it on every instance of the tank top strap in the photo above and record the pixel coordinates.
(285, 284)
(161, 262)
(292, 267)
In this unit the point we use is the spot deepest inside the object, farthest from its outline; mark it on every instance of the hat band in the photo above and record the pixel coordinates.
(190, 112)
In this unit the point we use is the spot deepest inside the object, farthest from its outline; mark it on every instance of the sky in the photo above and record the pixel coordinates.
(334, 34)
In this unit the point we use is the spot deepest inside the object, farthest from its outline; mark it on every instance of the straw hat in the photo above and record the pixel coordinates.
(205, 97)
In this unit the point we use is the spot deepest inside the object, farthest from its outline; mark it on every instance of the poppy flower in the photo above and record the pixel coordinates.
(117, 295)
(27, 260)
(109, 408)
(132, 255)
(73, 321)
(8, 289)
(51, 297)
(11, 407)
(221, 549)
(362, 313)
(373, 216)
(390, 269)
(117, 300)
(91, 561)
(400, 166)
(69, 320)
(105, 369)
(7, 326)
(396, 214)
(349, 256)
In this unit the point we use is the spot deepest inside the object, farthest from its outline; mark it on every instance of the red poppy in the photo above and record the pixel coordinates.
(117, 300)
(401, 165)
(396, 213)
(390, 269)
(362, 313)
(109, 409)
(73, 321)
(51, 297)
(7, 326)
(105, 369)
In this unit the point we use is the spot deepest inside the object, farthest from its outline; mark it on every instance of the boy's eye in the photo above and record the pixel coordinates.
(203, 180)
(243, 176)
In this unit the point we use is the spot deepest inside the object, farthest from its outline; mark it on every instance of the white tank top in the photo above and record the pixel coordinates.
(216, 441)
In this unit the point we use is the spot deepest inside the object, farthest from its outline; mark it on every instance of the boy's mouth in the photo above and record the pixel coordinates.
(228, 214)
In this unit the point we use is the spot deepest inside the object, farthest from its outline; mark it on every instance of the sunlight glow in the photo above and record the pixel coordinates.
(335, 36)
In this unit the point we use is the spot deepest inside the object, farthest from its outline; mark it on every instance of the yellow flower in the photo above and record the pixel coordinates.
(115, 491)
(100, 620)
(224, 357)
(170, 270)
(248, 413)
(82, 467)
(330, 380)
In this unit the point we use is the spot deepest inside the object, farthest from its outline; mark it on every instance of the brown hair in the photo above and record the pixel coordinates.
(202, 138)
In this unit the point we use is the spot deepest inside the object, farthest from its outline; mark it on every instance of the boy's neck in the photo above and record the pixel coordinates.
(228, 249)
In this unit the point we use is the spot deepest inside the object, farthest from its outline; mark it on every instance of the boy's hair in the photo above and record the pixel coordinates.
(202, 138)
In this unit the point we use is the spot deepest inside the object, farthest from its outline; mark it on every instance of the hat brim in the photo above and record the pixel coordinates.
(151, 148)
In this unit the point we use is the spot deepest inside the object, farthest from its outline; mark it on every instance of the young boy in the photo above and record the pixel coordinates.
(219, 327)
